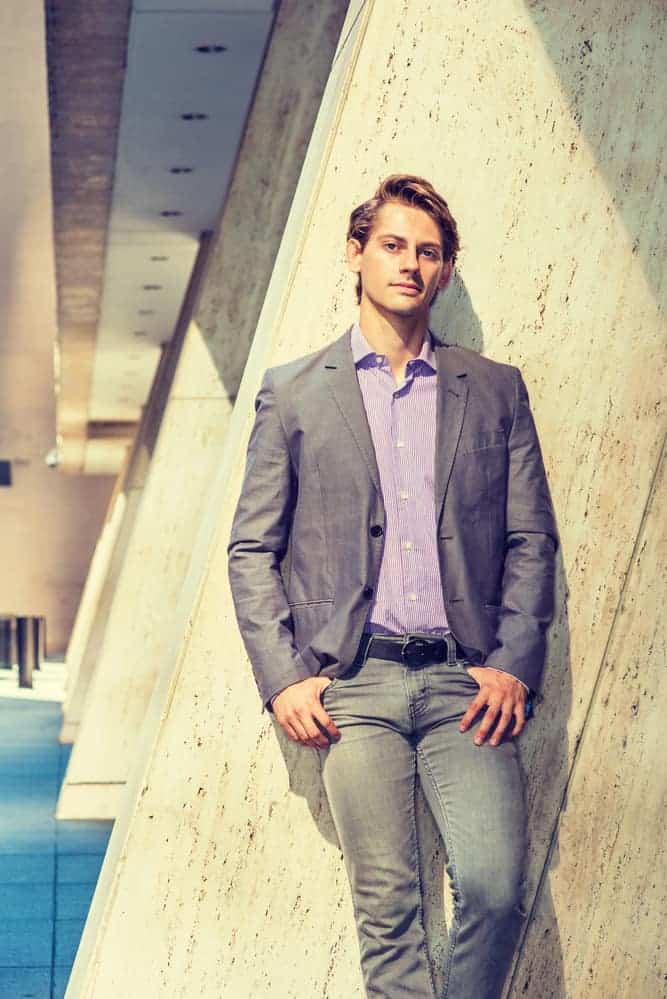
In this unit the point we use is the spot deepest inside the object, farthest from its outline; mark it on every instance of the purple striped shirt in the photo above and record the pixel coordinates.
(402, 421)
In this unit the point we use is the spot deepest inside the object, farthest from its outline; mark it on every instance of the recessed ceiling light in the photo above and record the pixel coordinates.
(152, 287)
(208, 49)
(145, 312)
(158, 258)
(181, 169)
(170, 214)
(194, 116)
(139, 333)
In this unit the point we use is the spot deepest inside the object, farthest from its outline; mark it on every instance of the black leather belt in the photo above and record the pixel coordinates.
(411, 650)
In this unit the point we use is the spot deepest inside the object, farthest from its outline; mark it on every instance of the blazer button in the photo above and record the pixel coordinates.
(376, 531)
(368, 592)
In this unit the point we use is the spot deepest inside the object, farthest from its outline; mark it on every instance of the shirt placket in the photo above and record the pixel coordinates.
(406, 496)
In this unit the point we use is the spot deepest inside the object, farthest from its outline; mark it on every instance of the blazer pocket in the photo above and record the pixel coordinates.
(482, 440)
(309, 603)
(328, 686)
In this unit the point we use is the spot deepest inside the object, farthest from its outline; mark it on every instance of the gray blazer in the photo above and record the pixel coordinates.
(303, 561)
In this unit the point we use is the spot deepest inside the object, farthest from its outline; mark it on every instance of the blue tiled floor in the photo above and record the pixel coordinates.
(48, 869)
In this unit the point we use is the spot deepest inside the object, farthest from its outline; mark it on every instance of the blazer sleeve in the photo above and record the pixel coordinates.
(531, 542)
(257, 545)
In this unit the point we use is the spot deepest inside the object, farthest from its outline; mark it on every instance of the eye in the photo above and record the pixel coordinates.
(390, 245)
(431, 253)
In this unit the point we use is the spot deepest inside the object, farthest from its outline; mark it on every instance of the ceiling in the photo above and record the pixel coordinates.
(188, 76)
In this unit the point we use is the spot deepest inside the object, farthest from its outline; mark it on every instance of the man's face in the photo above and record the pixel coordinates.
(401, 267)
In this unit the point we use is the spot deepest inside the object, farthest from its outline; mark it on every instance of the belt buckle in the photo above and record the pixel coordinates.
(414, 650)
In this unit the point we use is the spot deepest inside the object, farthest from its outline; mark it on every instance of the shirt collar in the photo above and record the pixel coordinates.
(361, 349)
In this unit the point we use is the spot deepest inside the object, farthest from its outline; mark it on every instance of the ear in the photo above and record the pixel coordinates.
(447, 271)
(353, 252)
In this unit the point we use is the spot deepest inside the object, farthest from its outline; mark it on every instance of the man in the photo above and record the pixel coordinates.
(392, 566)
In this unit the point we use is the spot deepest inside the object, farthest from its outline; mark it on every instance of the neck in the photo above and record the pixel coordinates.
(399, 338)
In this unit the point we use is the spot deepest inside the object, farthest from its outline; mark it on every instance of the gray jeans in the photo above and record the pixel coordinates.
(400, 725)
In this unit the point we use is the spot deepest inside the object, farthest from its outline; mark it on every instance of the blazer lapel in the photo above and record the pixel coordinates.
(452, 395)
(342, 379)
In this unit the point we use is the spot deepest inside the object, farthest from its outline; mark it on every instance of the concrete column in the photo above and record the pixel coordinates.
(106, 569)
(97, 571)
(107, 625)
(540, 128)
(139, 635)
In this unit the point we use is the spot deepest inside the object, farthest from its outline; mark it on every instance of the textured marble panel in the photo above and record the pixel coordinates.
(604, 898)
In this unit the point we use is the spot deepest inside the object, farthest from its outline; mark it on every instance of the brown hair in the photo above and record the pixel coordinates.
(409, 190)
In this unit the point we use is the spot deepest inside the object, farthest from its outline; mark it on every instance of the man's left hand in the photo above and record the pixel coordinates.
(504, 696)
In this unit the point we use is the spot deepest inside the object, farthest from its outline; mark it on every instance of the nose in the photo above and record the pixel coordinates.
(409, 261)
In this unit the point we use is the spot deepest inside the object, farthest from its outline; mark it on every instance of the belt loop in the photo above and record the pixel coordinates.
(451, 649)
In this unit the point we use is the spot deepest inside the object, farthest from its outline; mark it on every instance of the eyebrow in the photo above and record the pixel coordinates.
(401, 239)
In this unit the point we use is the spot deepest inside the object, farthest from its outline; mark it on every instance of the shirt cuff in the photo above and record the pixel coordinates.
(273, 696)
(499, 669)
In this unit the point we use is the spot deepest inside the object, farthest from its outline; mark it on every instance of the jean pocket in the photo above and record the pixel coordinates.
(328, 687)
(464, 666)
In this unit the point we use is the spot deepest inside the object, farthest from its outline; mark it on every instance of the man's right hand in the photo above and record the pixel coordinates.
(300, 713)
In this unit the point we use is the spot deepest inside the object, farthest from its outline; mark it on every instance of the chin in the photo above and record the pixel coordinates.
(408, 308)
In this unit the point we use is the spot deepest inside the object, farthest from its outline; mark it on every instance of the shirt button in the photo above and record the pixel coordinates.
(400, 443)
(412, 597)
(407, 545)
(403, 494)
(379, 358)
(367, 592)
(376, 531)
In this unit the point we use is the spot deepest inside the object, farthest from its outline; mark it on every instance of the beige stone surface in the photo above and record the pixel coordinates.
(604, 897)
(293, 77)
(76, 693)
(138, 633)
(134, 477)
(223, 876)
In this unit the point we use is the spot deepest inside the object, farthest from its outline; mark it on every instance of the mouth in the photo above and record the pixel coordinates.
(406, 286)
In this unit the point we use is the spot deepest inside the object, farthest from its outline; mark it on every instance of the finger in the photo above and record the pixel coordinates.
(474, 708)
(321, 740)
(325, 723)
(302, 734)
(503, 722)
(290, 731)
(325, 739)
(316, 738)
(520, 718)
(490, 716)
